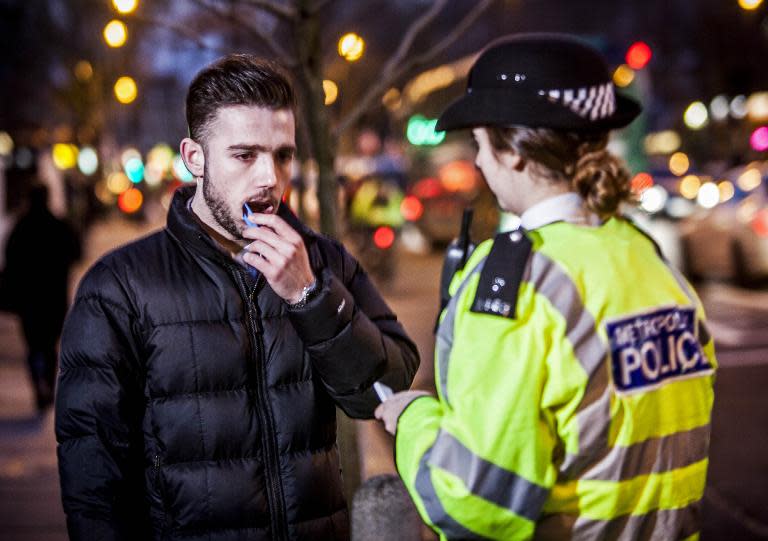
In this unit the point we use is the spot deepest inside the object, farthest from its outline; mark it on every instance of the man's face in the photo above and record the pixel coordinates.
(248, 156)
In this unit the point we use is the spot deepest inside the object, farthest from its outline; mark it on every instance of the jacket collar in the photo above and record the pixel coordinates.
(184, 226)
(568, 207)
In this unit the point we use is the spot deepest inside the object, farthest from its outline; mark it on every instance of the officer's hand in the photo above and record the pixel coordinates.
(389, 411)
(278, 252)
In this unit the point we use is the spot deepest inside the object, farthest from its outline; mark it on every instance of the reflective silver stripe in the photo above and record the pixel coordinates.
(593, 414)
(444, 340)
(654, 455)
(487, 480)
(550, 281)
(659, 524)
(434, 507)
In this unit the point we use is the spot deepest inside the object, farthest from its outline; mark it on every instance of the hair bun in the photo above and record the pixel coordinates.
(601, 179)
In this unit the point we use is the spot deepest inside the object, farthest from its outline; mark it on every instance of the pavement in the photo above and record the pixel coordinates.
(736, 504)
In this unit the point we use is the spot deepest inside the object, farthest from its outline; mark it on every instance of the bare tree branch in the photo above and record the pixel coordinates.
(468, 20)
(230, 17)
(180, 30)
(400, 67)
(288, 13)
(413, 31)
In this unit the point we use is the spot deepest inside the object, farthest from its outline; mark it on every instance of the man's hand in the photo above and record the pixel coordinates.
(389, 411)
(278, 252)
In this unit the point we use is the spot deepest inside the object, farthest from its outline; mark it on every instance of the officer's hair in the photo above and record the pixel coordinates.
(582, 160)
(236, 79)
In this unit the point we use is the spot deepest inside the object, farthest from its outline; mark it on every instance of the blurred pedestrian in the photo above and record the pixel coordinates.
(382, 510)
(202, 365)
(574, 369)
(38, 257)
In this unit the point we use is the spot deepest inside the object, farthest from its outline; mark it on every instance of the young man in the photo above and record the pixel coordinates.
(201, 366)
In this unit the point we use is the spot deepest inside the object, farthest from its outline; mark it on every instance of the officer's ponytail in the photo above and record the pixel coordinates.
(581, 160)
(600, 178)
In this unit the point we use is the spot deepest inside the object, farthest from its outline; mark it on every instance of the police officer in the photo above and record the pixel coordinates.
(574, 371)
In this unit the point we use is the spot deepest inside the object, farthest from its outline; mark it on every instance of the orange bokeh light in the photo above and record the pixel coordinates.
(130, 200)
(411, 208)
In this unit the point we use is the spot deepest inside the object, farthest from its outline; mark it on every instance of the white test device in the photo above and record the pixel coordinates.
(383, 391)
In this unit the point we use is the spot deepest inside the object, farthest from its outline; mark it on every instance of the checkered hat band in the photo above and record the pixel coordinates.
(592, 102)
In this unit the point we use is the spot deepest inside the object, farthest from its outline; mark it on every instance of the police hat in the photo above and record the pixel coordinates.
(541, 81)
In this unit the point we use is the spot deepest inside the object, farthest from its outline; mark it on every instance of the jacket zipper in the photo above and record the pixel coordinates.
(272, 461)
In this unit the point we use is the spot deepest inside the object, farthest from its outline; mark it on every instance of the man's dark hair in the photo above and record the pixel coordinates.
(236, 79)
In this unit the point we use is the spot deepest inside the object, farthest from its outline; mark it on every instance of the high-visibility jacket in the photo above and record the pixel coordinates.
(575, 388)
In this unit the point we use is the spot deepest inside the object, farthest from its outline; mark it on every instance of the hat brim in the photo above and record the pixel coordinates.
(491, 109)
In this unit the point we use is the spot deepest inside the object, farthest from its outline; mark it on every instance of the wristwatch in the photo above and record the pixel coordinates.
(307, 293)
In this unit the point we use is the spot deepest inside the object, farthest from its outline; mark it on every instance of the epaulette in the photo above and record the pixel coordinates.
(501, 276)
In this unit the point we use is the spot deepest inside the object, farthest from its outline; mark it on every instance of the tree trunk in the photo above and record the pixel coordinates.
(310, 83)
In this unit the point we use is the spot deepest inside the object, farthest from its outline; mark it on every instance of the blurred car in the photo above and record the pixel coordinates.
(727, 243)
(433, 206)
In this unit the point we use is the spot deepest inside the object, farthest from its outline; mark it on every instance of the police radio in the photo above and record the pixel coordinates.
(456, 256)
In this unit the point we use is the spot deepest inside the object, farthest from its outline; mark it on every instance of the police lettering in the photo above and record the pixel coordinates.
(649, 349)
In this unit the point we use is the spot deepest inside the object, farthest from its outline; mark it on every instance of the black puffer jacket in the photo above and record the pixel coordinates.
(193, 405)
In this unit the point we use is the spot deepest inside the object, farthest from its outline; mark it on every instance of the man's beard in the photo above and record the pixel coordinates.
(219, 209)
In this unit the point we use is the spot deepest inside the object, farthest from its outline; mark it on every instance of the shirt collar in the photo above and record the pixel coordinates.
(567, 207)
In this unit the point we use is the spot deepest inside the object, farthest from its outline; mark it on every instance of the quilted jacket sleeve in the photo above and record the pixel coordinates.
(353, 337)
(98, 407)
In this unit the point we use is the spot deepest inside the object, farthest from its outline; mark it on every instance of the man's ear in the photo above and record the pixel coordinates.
(193, 156)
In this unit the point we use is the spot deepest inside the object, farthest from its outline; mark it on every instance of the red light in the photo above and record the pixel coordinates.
(641, 182)
(383, 237)
(130, 200)
(638, 55)
(411, 208)
(760, 223)
(427, 188)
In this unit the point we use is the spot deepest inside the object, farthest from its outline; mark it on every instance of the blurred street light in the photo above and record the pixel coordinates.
(757, 107)
(331, 91)
(125, 6)
(351, 47)
(64, 155)
(709, 195)
(641, 182)
(696, 116)
(689, 186)
(115, 33)
(663, 142)
(719, 107)
(653, 199)
(638, 55)
(759, 139)
(421, 131)
(739, 107)
(750, 5)
(6, 144)
(726, 190)
(749, 179)
(83, 71)
(118, 182)
(87, 161)
(679, 164)
(125, 90)
(623, 76)
(130, 200)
